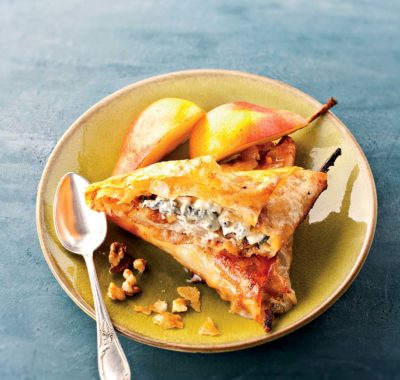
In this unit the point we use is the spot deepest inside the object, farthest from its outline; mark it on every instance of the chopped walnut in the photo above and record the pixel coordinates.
(118, 258)
(140, 265)
(179, 305)
(129, 277)
(157, 307)
(168, 320)
(117, 252)
(130, 290)
(209, 328)
(115, 292)
(191, 294)
(129, 285)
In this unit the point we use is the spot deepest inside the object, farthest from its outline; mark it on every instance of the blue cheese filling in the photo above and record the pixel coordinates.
(205, 218)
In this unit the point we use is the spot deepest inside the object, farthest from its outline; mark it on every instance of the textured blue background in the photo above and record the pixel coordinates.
(57, 58)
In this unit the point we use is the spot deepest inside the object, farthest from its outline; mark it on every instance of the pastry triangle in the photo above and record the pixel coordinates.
(195, 202)
(255, 281)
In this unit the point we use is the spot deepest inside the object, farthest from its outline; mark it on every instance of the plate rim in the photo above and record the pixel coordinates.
(223, 347)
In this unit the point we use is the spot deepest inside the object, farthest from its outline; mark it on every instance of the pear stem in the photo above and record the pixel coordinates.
(331, 160)
(329, 104)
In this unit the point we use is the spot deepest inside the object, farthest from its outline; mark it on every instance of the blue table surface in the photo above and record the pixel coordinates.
(59, 58)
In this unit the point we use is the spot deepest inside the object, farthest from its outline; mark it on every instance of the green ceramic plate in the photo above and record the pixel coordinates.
(329, 249)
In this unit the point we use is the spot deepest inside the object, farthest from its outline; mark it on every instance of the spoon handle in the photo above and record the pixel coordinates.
(111, 359)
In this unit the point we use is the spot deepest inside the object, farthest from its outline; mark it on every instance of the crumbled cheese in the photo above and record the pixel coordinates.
(255, 237)
(203, 218)
(195, 279)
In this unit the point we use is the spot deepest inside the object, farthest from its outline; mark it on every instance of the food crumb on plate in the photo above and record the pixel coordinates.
(209, 328)
(168, 320)
(179, 305)
(157, 307)
(115, 292)
(140, 265)
(192, 294)
(118, 258)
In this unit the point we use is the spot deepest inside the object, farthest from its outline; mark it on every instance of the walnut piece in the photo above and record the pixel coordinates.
(130, 290)
(140, 265)
(157, 307)
(129, 285)
(118, 258)
(179, 305)
(117, 252)
(209, 328)
(168, 320)
(191, 294)
(129, 277)
(115, 292)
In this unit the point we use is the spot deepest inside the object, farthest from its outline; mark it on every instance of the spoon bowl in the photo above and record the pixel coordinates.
(79, 229)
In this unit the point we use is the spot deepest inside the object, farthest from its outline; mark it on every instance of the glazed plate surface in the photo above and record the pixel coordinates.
(329, 247)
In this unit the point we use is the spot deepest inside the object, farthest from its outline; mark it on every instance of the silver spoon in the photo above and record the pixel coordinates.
(82, 230)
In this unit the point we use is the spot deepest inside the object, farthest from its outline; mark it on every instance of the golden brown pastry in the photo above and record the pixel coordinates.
(195, 202)
(255, 280)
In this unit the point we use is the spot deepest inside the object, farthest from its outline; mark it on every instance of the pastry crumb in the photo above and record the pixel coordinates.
(179, 305)
(191, 294)
(160, 306)
(157, 307)
(147, 310)
(209, 328)
(168, 320)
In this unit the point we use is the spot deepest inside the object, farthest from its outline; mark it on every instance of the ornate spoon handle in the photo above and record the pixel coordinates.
(112, 361)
